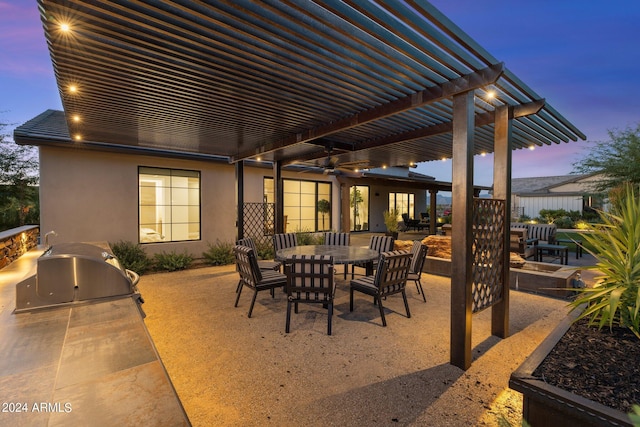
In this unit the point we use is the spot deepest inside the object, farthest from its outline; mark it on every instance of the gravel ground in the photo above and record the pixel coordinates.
(232, 370)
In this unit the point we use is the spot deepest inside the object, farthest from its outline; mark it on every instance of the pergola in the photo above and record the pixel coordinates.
(350, 84)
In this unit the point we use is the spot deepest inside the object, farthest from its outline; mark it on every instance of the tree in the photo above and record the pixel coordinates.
(618, 159)
(323, 207)
(354, 201)
(18, 181)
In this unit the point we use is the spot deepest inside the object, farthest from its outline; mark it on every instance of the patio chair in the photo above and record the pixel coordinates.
(418, 254)
(411, 223)
(379, 244)
(262, 264)
(390, 279)
(252, 277)
(310, 280)
(284, 240)
(337, 239)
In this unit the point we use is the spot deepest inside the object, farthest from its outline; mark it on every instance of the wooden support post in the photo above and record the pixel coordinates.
(278, 193)
(461, 238)
(345, 206)
(502, 190)
(239, 200)
(433, 215)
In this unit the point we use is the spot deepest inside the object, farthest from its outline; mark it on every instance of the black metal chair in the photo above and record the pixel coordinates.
(252, 277)
(284, 240)
(337, 239)
(418, 254)
(262, 264)
(379, 244)
(390, 279)
(310, 280)
(411, 223)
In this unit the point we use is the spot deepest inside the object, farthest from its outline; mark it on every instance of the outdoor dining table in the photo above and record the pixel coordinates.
(341, 254)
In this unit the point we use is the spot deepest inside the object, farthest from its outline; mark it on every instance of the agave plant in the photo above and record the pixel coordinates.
(615, 300)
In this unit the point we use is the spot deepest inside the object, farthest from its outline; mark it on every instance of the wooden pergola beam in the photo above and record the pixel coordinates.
(466, 83)
(514, 111)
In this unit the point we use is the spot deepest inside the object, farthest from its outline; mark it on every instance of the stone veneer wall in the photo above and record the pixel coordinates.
(16, 242)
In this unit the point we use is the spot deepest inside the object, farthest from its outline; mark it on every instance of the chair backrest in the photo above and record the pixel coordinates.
(248, 242)
(405, 218)
(284, 240)
(418, 254)
(381, 243)
(340, 239)
(247, 265)
(310, 277)
(392, 272)
(546, 232)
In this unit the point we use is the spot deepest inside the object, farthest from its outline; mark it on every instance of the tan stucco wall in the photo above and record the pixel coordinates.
(90, 196)
(93, 196)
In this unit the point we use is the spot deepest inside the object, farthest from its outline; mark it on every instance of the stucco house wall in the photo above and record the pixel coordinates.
(92, 196)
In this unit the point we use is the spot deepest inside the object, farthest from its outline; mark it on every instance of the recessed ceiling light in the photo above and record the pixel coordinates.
(76, 118)
(73, 88)
(78, 137)
(65, 27)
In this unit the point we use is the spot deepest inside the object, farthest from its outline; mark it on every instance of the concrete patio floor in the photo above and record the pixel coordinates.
(232, 370)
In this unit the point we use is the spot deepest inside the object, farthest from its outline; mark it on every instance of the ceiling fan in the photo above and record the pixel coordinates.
(333, 166)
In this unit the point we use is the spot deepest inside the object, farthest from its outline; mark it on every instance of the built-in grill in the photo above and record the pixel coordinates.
(71, 273)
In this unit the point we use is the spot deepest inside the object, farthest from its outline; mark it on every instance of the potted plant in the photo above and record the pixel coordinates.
(586, 371)
(354, 201)
(391, 222)
(323, 208)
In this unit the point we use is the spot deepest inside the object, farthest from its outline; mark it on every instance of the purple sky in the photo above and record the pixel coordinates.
(583, 56)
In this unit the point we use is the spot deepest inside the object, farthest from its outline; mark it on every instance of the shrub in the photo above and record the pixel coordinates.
(265, 249)
(220, 253)
(131, 256)
(172, 261)
(308, 238)
(564, 222)
(615, 299)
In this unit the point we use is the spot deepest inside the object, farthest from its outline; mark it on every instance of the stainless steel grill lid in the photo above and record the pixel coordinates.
(75, 272)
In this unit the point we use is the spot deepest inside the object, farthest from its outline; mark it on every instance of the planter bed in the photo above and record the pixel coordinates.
(545, 405)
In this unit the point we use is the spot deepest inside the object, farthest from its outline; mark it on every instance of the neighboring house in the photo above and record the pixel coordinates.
(570, 192)
(102, 193)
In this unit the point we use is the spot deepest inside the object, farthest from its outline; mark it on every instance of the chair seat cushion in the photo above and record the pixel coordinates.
(272, 278)
(413, 276)
(365, 284)
(323, 296)
(269, 265)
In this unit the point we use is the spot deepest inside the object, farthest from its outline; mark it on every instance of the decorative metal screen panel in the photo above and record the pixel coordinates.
(488, 252)
(259, 220)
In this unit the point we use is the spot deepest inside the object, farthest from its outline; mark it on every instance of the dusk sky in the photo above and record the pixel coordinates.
(583, 56)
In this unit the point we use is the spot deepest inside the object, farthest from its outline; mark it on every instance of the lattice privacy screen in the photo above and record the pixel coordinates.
(259, 220)
(488, 252)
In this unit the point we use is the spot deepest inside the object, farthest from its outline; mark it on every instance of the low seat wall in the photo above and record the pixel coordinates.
(16, 242)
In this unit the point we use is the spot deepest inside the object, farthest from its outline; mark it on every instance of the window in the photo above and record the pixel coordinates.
(359, 206)
(307, 204)
(403, 202)
(169, 202)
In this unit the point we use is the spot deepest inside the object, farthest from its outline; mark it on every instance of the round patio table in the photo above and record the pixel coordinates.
(341, 254)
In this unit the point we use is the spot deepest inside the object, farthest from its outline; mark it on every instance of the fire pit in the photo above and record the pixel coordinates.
(544, 278)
